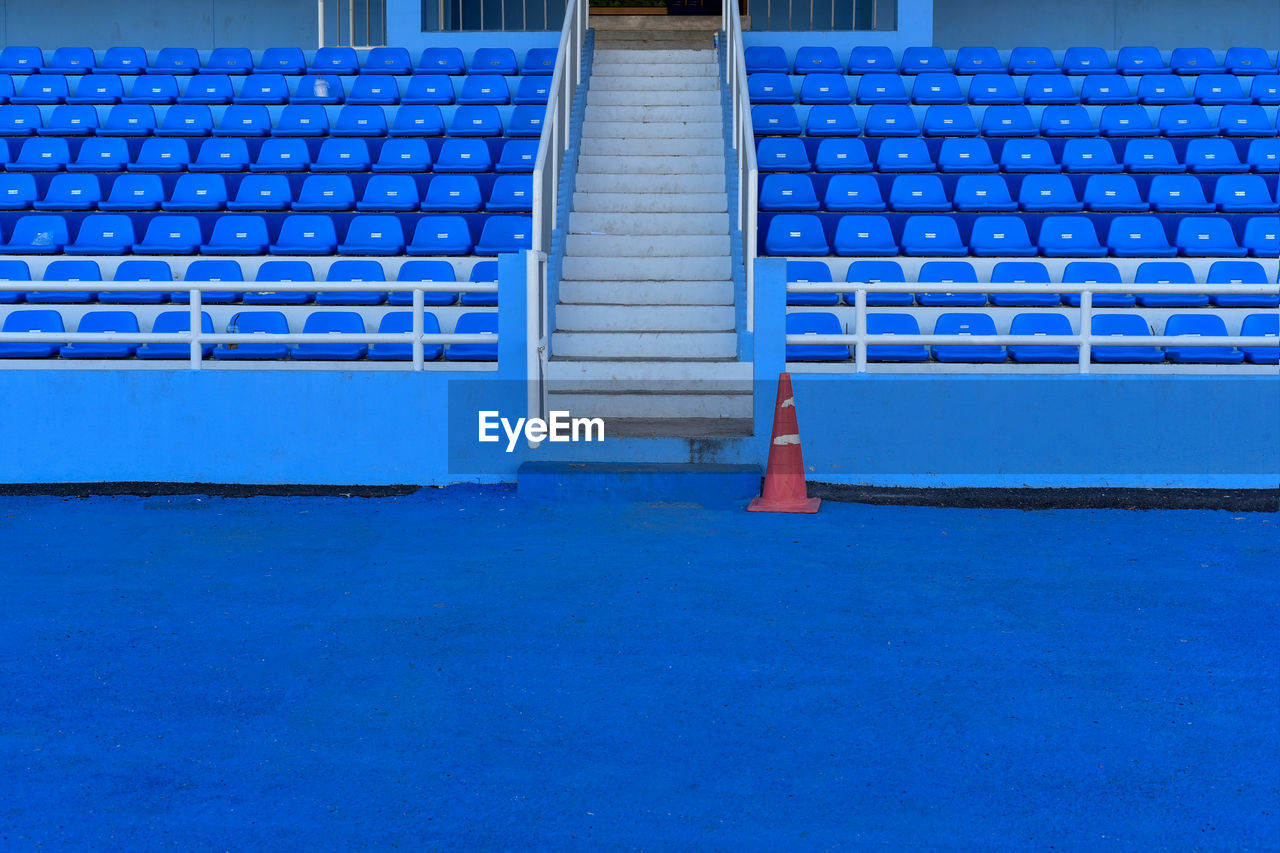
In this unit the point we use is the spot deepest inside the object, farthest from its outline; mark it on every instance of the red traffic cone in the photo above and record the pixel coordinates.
(784, 486)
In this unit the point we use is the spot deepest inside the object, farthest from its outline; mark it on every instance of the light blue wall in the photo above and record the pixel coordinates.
(1107, 23)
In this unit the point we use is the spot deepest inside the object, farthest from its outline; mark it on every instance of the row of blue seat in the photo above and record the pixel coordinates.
(464, 154)
(227, 270)
(936, 87)
(847, 154)
(1121, 121)
(292, 120)
(17, 59)
(1127, 236)
(1021, 60)
(213, 89)
(507, 193)
(1024, 275)
(248, 234)
(336, 323)
(969, 324)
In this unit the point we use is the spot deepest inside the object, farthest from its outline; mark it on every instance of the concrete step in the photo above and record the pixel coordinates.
(658, 318)
(621, 57)
(635, 83)
(648, 223)
(653, 269)
(651, 113)
(646, 293)
(666, 345)
(654, 375)
(654, 129)
(620, 146)
(701, 70)
(646, 245)
(668, 97)
(651, 404)
(649, 183)
(637, 164)
(671, 202)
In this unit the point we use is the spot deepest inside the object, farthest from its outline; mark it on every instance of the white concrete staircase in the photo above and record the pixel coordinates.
(645, 331)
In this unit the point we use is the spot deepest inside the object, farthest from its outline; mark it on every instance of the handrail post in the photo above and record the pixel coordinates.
(1086, 330)
(419, 309)
(860, 329)
(320, 22)
(197, 348)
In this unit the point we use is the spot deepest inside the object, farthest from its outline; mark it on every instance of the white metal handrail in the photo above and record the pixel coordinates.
(1085, 339)
(743, 142)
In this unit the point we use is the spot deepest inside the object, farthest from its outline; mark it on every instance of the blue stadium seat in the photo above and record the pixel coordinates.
(1000, 236)
(122, 60)
(520, 155)
(161, 155)
(464, 155)
(1265, 89)
(1095, 272)
(1248, 60)
(221, 155)
(1126, 121)
(1011, 120)
(890, 120)
(782, 154)
(841, 155)
(386, 60)
(1162, 89)
(342, 155)
(796, 234)
(1194, 60)
(1252, 120)
(72, 192)
(237, 235)
(325, 193)
(825, 88)
(1106, 89)
(68, 270)
(1089, 155)
(503, 234)
(255, 322)
(133, 192)
(876, 89)
(1048, 192)
(936, 87)
(197, 192)
(993, 90)
(371, 234)
(37, 234)
(965, 155)
(810, 59)
(403, 155)
(306, 234)
(1262, 236)
(123, 322)
(1189, 120)
(511, 194)
(982, 194)
(482, 272)
(962, 325)
(832, 120)
(128, 120)
(815, 323)
(135, 270)
(28, 320)
(431, 89)
(207, 89)
(894, 324)
(494, 60)
(175, 322)
(360, 120)
(398, 193)
(766, 58)
(41, 89)
(935, 236)
(871, 59)
(1027, 155)
(1244, 194)
(944, 120)
(282, 60)
(175, 60)
(1263, 155)
(18, 120)
(809, 272)
(1086, 60)
(336, 323)
(1050, 89)
(1058, 121)
(17, 192)
(948, 272)
(170, 235)
(485, 89)
(1034, 60)
(1115, 194)
(97, 89)
(1134, 61)
(846, 193)
(975, 60)
(1218, 90)
(441, 60)
(70, 60)
(433, 271)
(1205, 325)
(770, 88)
(402, 321)
(349, 270)
(1168, 272)
(532, 90)
(210, 270)
(904, 155)
(1022, 272)
(283, 272)
(1042, 324)
(473, 323)
(526, 121)
(1254, 325)
(68, 120)
(1212, 155)
(318, 89)
(302, 120)
(1138, 237)
(282, 155)
(15, 59)
(229, 60)
(878, 272)
(334, 60)
(1240, 272)
(916, 193)
(539, 61)
(766, 120)
(787, 192)
(1069, 236)
(186, 120)
(42, 155)
(475, 121)
(918, 59)
(264, 89)
(1151, 155)
(152, 89)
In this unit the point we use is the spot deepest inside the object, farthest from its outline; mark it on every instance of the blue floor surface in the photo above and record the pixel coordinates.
(466, 670)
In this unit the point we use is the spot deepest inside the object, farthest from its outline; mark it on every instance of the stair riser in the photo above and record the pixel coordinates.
(707, 183)
(620, 147)
(654, 129)
(594, 164)
(657, 318)
(605, 56)
(672, 345)
(670, 376)
(629, 83)
(645, 293)
(615, 98)
(650, 203)
(652, 405)
(646, 246)
(639, 112)
(706, 70)
(653, 269)
(649, 223)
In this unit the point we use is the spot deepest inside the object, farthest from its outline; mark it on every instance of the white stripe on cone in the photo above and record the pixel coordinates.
(789, 403)
(787, 439)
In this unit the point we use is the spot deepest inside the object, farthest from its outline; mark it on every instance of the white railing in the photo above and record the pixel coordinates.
(1085, 339)
(197, 338)
(743, 142)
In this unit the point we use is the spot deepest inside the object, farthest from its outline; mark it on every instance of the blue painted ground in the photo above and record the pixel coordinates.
(467, 670)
